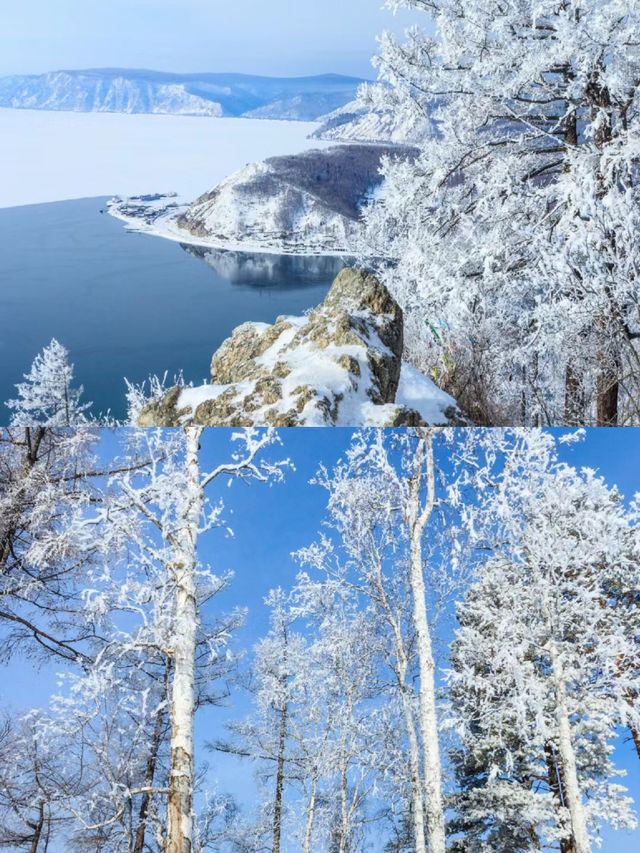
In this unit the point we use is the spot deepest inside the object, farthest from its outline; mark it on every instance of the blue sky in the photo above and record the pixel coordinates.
(276, 37)
(270, 522)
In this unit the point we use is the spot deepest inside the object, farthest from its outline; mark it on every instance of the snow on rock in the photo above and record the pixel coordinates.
(307, 202)
(340, 365)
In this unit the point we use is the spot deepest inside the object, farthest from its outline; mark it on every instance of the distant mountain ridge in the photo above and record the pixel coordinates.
(124, 90)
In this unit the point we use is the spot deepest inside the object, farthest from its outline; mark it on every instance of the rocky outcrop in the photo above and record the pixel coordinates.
(341, 365)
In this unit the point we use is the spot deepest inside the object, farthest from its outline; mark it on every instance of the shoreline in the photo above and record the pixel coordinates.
(161, 226)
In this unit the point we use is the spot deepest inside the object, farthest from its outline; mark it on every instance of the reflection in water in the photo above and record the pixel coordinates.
(267, 270)
(129, 304)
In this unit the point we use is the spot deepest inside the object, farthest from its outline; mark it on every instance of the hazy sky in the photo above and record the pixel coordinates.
(280, 37)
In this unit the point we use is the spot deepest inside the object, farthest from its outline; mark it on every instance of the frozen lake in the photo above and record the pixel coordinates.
(51, 156)
(129, 304)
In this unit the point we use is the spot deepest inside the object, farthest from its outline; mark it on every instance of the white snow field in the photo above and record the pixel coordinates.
(53, 156)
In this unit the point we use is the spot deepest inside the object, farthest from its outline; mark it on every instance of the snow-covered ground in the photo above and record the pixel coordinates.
(53, 156)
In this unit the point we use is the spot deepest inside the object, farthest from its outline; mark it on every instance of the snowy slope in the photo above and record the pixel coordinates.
(355, 123)
(130, 91)
(306, 202)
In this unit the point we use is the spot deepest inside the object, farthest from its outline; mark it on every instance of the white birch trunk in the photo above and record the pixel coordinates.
(572, 792)
(416, 782)
(311, 811)
(344, 830)
(179, 837)
(417, 517)
(407, 696)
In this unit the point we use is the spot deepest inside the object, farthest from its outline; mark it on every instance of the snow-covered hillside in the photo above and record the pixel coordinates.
(128, 91)
(356, 123)
(309, 200)
(303, 203)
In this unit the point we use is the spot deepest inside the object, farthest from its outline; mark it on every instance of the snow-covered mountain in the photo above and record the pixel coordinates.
(132, 91)
(307, 203)
(304, 202)
(356, 123)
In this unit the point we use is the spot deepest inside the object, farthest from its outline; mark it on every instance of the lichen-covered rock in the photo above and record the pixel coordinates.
(340, 365)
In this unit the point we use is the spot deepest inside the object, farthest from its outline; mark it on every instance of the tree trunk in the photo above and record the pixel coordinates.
(277, 811)
(573, 403)
(344, 825)
(416, 783)
(635, 734)
(556, 784)
(345, 757)
(38, 829)
(608, 392)
(179, 812)
(150, 770)
(608, 386)
(417, 517)
(407, 696)
(571, 786)
(311, 810)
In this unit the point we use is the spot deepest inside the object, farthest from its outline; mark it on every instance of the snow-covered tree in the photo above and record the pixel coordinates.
(31, 780)
(147, 529)
(47, 395)
(344, 679)
(512, 236)
(314, 729)
(349, 699)
(48, 478)
(398, 510)
(110, 725)
(269, 736)
(367, 557)
(537, 684)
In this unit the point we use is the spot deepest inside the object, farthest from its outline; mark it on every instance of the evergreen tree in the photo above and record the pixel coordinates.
(47, 395)
(536, 685)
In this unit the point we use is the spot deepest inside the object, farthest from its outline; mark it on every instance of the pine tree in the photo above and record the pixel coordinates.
(47, 395)
(536, 685)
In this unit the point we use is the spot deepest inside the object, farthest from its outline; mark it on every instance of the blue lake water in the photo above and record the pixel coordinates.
(128, 304)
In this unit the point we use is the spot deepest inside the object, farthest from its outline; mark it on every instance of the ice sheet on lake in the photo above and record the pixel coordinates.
(53, 156)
